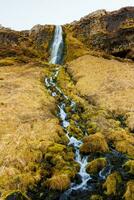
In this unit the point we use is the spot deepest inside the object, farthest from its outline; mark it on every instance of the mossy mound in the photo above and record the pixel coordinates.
(94, 143)
(123, 141)
(59, 160)
(129, 194)
(111, 184)
(56, 148)
(96, 197)
(129, 166)
(96, 165)
(59, 182)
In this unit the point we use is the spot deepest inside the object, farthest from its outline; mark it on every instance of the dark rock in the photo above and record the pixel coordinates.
(78, 179)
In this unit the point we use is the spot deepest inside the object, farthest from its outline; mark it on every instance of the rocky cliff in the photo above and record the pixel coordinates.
(25, 45)
(109, 32)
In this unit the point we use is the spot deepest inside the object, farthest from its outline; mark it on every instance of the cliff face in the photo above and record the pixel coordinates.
(111, 32)
(25, 45)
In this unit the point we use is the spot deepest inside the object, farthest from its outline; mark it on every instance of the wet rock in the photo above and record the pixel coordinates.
(78, 179)
(94, 143)
(96, 165)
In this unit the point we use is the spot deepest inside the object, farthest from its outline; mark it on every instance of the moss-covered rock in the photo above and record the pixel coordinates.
(129, 194)
(56, 148)
(96, 197)
(111, 183)
(129, 166)
(94, 143)
(59, 182)
(96, 165)
(122, 140)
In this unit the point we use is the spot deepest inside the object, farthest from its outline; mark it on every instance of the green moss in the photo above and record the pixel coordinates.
(56, 148)
(73, 47)
(96, 197)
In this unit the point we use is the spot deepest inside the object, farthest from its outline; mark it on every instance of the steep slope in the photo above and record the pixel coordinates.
(106, 83)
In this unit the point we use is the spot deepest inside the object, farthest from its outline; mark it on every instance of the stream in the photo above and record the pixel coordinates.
(87, 184)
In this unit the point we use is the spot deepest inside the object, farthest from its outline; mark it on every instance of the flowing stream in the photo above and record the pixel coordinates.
(85, 183)
(56, 57)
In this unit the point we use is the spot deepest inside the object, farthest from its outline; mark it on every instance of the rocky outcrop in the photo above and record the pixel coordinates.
(111, 32)
(30, 44)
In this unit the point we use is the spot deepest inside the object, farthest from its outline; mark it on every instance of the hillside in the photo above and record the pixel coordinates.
(66, 128)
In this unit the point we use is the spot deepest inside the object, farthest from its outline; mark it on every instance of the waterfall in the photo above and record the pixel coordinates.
(57, 46)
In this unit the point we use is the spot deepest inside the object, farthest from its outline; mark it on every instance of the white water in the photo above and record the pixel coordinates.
(57, 46)
(56, 56)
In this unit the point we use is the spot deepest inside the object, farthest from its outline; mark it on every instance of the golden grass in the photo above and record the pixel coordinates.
(111, 183)
(122, 140)
(27, 125)
(59, 182)
(106, 83)
(129, 194)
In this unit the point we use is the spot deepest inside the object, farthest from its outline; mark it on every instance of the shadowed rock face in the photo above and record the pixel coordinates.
(112, 32)
(31, 44)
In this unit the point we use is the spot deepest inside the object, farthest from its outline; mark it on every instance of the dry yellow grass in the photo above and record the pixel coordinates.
(59, 182)
(111, 183)
(27, 125)
(106, 83)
